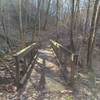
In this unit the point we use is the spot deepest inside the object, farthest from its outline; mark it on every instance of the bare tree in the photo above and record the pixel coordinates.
(77, 14)
(98, 17)
(92, 34)
(37, 20)
(3, 24)
(43, 4)
(72, 25)
(46, 18)
(87, 18)
(57, 12)
(22, 36)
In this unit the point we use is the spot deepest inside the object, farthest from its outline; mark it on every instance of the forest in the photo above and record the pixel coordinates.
(49, 49)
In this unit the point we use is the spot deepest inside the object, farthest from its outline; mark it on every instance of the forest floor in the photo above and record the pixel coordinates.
(54, 86)
(87, 85)
(85, 88)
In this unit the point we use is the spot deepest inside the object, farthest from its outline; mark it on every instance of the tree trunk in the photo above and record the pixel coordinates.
(21, 24)
(92, 34)
(72, 26)
(4, 27)
(46, 18)
(36, 20)
(87, 18)
(57, 12)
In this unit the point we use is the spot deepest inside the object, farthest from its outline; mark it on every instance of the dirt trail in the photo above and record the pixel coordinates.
(54, 88)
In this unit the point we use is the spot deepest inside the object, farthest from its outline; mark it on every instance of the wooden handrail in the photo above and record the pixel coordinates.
(24, 51)
(57, 45)
(29, 53)
(72, 57)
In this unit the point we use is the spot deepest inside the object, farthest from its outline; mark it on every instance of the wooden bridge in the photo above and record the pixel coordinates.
(26, 58)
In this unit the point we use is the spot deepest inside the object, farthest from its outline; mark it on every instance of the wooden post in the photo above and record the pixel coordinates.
(74, 59)
(72, 70)
(26, 54)
(42, 79)
(17, 72)
(25, 65)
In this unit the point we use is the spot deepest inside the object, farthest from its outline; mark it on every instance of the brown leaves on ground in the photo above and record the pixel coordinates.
(10, 88)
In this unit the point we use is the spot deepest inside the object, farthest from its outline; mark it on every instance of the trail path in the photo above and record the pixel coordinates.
(55, 88)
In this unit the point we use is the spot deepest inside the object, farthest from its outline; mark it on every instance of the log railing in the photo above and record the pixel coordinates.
(66, 59)
(25, 60)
